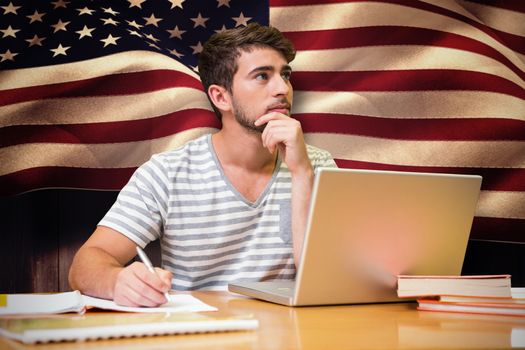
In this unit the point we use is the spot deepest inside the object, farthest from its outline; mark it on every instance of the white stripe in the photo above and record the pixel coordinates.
(381, 58)
(131, 154)
(412, 104)
(351, 15)
(477, 154)
(501, 204)
(123, 62)
(173, 234)
(498, 18)
(103, 108)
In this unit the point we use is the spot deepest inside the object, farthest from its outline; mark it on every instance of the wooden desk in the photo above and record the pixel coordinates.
(379, 326)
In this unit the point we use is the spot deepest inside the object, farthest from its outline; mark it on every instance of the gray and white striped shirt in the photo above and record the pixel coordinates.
(210, 234)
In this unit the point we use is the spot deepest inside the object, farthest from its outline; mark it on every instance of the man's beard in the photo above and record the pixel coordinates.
(244, 121)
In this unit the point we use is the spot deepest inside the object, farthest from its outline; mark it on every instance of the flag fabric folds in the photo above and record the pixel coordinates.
(89, 90)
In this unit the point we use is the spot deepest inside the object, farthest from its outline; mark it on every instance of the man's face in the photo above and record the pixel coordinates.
(261, 85)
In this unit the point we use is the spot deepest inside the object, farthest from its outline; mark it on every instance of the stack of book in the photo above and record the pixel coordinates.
(486, 294)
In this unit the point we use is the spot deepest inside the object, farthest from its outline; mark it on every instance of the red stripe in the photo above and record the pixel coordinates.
(498, 229)
(405, 80)
(394, 35)
(123, 131)
(108, 85)
(63, 177)
(494, 179)
(454, 129)
(417, 5)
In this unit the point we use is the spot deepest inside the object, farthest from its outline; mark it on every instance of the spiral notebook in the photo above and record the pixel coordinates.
(57, 328)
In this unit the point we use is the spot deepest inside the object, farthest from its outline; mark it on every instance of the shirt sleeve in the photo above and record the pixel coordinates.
(138, 212)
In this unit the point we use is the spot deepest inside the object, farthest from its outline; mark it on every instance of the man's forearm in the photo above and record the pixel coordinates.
(94, 272)
(301, 192)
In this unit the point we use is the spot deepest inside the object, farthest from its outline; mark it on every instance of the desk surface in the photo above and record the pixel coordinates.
(378, 326)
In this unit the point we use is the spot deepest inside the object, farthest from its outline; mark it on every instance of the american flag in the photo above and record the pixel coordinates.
(90, 89)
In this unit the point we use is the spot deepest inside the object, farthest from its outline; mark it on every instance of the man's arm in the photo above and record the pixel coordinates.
(98, 270)
(285, 133)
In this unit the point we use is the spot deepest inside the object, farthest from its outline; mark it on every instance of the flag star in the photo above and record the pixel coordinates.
(197, 48)
(8, 55)
(138, 3)
(199, 21)
(241, 20)
(109, 21)
(176, 3)
(110, 11)
(152, 20)
(60, 3)
(85, 11)
(35, 41)
(85, 32)
(134, 32)
(10, 8)
(60, 26)
(151, 37)
(221, 30)
(176, 53)
(153, 45)
(110, 40)
(176, 32)
(36, 17)
(60, 50)
(223, 3)
(9, 31)
(134, 24)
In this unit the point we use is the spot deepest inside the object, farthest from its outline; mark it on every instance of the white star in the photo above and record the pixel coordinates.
(60, 26)
(134, 24)
(110, 40)
(35, 41)
(199, 21)
(9, 31)
(197, 48)
(60, 3)
(8, 55)
(241, 20)
(176, 53)
(152, 20)
(36, 17)
(151, 37)
(134, 32)
(60, 50)
(85, 32)
(176, 32)
(153, 45)
(109, 21)
(85, 11)
(221, 30)
(110, 11)
(10, 8)
(176, 3)
(223, 3)
(138, 3)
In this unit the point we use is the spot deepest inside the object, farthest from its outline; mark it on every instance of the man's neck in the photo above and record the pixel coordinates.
(240, 148)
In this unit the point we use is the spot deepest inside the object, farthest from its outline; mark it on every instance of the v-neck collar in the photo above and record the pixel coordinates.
(232, 188)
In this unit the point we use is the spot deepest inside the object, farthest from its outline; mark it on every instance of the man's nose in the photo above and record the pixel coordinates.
(282, 86)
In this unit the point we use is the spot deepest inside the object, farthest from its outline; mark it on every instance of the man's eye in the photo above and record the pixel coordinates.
(261, 76)
(286, 75)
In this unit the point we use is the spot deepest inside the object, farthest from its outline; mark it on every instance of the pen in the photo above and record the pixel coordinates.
(149, 265)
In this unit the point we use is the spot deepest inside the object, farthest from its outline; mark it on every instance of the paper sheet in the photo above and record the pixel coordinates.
(177, 303)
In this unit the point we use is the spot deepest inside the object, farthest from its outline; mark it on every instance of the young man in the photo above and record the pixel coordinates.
(227, 206)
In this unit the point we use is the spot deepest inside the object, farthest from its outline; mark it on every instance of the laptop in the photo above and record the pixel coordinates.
(365, 227)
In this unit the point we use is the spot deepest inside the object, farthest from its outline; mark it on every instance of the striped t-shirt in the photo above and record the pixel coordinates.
(210, 234)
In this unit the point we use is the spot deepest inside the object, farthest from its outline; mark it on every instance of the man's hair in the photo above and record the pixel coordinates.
(218, 59)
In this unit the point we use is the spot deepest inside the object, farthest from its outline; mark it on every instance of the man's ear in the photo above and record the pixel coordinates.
(220, 97)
